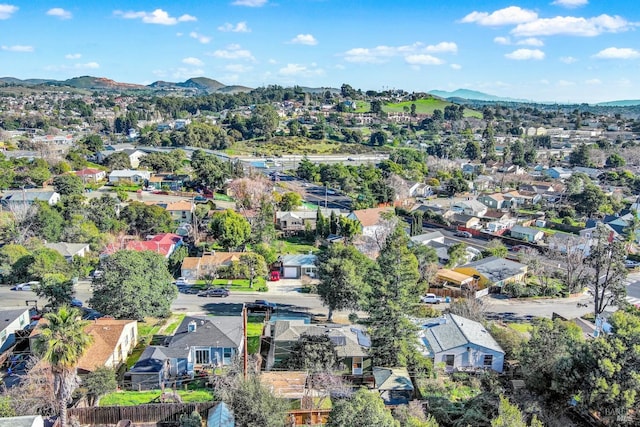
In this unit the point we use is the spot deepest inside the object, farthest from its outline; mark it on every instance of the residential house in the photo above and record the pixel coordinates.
(492, 201)
(91, 175)
(469, 207)
(197, 268)
(473, 168)
(200, 342)
(461, 344)
(129, 175)
(14, 199)
(112, 341)
(351, 344)
(370, 220)
(69, 250)
(181, 211)
(558, 173)
(462, 220)
(394, 385)
(171, 181)
(617, 224)
(12, 320)
(426, 238)
(446, 276)
(420, 189)
(296, 266)
(164, 244)
(296, 221)
(517, 199)
(23, 421)
(592, 173)
(483, 183)
(528, 234)
(494, 271)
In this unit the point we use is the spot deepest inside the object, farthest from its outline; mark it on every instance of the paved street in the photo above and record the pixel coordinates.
(633, 288)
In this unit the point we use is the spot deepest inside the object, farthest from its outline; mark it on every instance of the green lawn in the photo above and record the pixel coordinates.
(426, 106)
(146, 331)
(294, 245)
(134, 398)
(523, 328)
(175, 321)
(222, 197)
(254, 332)
(237, 285)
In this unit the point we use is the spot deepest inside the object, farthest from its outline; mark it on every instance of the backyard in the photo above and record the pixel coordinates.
(134, 398)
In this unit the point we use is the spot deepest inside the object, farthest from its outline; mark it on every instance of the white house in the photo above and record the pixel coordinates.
(461, 344)
(296, 266)
(69, 250)
(14, 198)
(137, 177)
(370, 220)
(11, 320)
(469, 207)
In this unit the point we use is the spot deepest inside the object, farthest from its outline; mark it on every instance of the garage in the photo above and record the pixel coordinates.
(291, 272)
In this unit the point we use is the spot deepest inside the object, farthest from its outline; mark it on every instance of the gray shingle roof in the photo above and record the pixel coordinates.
(9, 315)
(350, 342)
(392, 378)
(497, 269)
(305, 260)
(213, 331)
(457, 331)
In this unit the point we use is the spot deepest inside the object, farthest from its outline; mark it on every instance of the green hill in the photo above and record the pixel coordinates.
(425, 106)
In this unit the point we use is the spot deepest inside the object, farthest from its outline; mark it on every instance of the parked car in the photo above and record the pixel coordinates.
(631, 264)
(274, 276)
(75, 302)
(216, 292)
(518, 248)
(261, 305)
(464, 234)
(181, 281)
(431, 299)
(96, 274)
(25, 286)
(200, 199)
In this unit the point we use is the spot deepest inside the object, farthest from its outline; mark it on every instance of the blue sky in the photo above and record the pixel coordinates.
(554, 50)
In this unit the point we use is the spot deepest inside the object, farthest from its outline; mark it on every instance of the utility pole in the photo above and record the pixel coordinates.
(244, 336)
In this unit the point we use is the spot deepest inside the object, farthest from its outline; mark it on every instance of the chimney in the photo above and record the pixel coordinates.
(192, 326)
(443, 320)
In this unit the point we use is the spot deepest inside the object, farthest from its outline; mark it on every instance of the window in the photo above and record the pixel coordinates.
(226, 354)
(3, 336)
(449, 359)
(203, 357)
(488, 360)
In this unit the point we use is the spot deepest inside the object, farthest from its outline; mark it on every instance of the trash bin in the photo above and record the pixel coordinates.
(447, 300)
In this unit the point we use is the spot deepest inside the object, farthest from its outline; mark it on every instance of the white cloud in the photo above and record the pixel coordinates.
(617, 53)
(423, 59)
(380, 54)
(73, 56)
(573, 26)
(158, 16)
(449, 47)
(507, 16)
(593, 82)
(250, 3)
(240, 27)
(233, 51)
(456, 66)
(524, 54)
(568, 59)
(192, 61)
(531, 41)
(238, 68)
(18, 48)
(60, 13)
(200, 37)
(299, 70)
(570, 4)
(565, 83)
(272, 61)
(89, 65)
(6, 10)
(502, 40)
(306, 39)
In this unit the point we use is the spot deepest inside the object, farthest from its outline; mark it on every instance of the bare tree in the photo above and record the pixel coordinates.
(34, 393)
(570, 253)
(606, 260)
(250, 192)
(470, 308)
(542, 272)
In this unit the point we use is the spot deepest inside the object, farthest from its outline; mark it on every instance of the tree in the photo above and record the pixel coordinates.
(412, 415)
(98, 383)
(572, 256)
(509, 415)
(68, 184)
(118, 160)
(48, 222)
(615, 160)
(496, 248)
(457, 254)
(210, 171)
(9, 256)
(191, 420)
(255, 266)
(290, 200)
(134, 285)
(57, 289)
(231, 229)
(348, 228)
(46, 261)
(363, 409)
(342, 271)
(589, 200)
(92, 143)
(472, 150)
(61, 342)
(254, 405)
(580, 156)
(176, 258)
(378, 138)
(427, 264)
(606, 258)
(394, 290)
(143, 219)
(312, 353)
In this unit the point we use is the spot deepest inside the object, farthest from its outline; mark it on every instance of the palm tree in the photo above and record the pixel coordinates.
(61, 343)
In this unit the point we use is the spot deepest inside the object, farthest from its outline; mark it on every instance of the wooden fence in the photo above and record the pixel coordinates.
(154, 413)
(304, 417)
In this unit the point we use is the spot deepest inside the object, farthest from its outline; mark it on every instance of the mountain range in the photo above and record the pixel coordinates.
(196, 85)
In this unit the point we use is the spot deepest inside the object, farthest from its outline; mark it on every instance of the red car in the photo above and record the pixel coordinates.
(274, 276)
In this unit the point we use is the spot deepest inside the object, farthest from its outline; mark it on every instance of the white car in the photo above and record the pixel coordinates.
(181, 281)
(431, 299)
(631, 264)
(25, 286)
